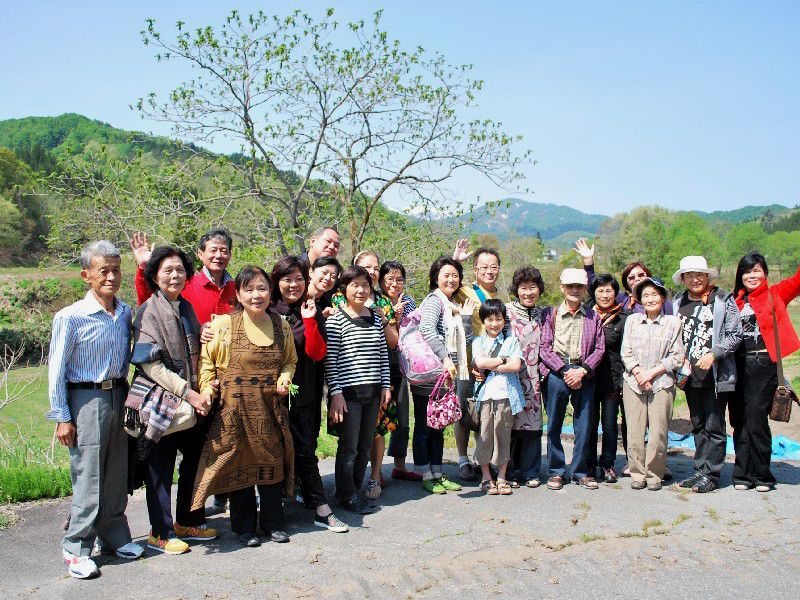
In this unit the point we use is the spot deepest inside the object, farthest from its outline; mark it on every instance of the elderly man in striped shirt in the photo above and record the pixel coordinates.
(88, 367)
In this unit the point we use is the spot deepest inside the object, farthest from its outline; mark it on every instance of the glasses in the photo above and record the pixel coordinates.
(487, 269)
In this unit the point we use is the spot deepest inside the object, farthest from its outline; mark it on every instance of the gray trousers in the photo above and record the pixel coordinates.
(99, 470)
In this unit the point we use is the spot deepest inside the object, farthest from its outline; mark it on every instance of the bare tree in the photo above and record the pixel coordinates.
(326, 128)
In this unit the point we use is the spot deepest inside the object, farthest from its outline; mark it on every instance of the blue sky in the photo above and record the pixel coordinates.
(691, 105)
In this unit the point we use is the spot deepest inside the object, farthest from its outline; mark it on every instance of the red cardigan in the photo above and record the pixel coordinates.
(782, 293)
(203, 294)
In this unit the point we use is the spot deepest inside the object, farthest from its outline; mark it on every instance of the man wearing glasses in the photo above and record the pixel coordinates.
(486, 267)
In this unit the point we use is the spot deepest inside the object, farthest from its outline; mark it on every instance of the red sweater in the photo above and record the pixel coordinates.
(202, 293)
(782, 293)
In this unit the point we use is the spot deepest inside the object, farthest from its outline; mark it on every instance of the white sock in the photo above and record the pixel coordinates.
(463, 460)
(427, 475)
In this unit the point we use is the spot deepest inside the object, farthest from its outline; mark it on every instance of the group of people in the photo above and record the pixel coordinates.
(233, 372)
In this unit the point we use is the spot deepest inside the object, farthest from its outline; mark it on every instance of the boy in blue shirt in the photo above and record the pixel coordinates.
(499, 396)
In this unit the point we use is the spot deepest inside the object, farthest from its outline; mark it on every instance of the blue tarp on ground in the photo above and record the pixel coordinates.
(783, 448)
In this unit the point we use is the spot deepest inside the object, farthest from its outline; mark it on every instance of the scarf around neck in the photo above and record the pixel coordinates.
(534, 313)
(455, 337)
(606, 316)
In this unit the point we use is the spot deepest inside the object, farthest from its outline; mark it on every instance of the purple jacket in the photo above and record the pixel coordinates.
(593, 344)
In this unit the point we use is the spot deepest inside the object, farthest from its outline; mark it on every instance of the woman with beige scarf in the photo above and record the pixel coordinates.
(166, 348)
(447, 328)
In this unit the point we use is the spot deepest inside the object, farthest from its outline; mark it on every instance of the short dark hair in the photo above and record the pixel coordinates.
(245, 276)
(353, 272)
(217, 233)
(492, 307)
(327, 261)
(437, 265)
(630, 267)
(388, 267)
(285, 266)
(747, 262)
(320, 230)
(485, 250)
(528, 274)
(157, 257)
(601, 280)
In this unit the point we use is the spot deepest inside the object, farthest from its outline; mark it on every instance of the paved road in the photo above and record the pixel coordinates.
(609, 543)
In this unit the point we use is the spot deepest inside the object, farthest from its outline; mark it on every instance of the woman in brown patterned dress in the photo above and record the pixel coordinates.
(252, 354)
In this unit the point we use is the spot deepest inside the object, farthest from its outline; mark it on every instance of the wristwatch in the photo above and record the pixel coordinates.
(504, 359)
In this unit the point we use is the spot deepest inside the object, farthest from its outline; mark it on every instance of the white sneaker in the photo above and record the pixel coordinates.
(129, 551)
(80, 567)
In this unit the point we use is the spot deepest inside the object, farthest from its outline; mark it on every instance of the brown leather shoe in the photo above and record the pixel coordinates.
(556, 482)
(590, 483)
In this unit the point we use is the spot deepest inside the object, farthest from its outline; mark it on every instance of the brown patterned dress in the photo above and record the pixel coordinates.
(248, 442)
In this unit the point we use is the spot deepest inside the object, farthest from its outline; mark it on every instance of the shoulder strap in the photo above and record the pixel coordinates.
(479, 292)
(493, 354)
(778, 357)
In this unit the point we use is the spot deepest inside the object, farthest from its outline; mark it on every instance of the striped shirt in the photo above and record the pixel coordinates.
(87, 344)
(357, 352)
(646, 343)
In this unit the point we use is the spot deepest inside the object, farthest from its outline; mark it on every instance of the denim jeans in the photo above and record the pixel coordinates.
(606, 406)
(749, 410)
(526, 455)
(356, 433)
(558, 397)
(428, 443)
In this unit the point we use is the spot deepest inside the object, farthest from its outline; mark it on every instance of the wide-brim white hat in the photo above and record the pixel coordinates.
(693, 264)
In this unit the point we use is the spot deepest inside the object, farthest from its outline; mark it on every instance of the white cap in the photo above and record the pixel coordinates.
(693, 264)
(570, 276)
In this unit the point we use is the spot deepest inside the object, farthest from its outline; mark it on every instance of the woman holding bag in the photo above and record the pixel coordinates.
(249, 445)
(447, 328)
(756, 367)
(166, 348)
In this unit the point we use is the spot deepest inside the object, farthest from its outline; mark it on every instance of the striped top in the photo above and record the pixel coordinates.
(87, 344)
(357, 352)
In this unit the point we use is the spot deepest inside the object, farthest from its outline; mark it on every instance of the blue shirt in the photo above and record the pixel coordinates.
(510, 348)
(87, 344)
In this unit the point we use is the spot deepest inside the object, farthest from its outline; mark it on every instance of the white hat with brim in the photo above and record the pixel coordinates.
(574, 276)
(693, 264)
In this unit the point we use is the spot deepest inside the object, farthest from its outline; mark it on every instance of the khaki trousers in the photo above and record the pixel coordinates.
(645, 411)
(494, 438)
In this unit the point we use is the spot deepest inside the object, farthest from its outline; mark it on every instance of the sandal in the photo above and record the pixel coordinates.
(533, 483)
(504, 487)
(513, 483)
(488, 487)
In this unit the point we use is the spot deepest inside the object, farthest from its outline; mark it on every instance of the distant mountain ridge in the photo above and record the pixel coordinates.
(515, 217)
(555, 223)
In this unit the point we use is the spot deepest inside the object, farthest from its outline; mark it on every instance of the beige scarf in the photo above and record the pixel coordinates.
(455, 337)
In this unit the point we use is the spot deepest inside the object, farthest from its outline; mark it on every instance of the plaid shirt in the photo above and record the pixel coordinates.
(646, 343)
(569, 332)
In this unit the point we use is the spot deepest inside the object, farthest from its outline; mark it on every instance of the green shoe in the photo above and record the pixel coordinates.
(450, 486)
(434, 486)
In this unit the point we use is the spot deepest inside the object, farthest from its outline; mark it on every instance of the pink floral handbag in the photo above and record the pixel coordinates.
(444, 407)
